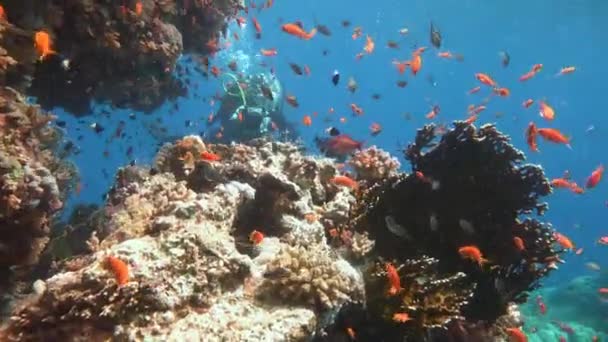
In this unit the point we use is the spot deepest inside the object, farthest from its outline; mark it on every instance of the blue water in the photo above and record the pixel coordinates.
(554, 33)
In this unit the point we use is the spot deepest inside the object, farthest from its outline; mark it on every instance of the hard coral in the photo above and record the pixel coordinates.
(311, 277)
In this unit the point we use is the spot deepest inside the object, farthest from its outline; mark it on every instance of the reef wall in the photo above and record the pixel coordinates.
(123, 53)
(33, 185)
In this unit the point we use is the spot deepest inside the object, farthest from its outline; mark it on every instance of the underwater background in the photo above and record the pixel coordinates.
(479, 35)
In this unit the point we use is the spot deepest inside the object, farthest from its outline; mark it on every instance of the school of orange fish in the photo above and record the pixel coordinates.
(43, 45)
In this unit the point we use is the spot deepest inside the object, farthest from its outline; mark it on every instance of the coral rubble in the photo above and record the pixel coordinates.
(117, 51)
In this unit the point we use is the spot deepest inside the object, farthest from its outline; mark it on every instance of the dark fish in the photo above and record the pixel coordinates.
(292, 100)
(267, 92)
(97, 127)
(376, 96)
(132, 116)
(401, 84)
(392, 44)
(60, 123)
(232, 66)
(188, 123)
(335, 79)
(505, 58)
(325, 52)
(435, 36)
(332, 131)
(324, 30)
(345, 23)
(296, 69)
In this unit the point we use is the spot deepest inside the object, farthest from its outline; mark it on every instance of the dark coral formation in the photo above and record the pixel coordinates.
(116, 54)
(469, 188)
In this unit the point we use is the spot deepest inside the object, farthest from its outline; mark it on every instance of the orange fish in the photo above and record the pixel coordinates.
(394, 281)
(502, 92)
(472, 253)
(432, 114)
(446, 54)
(356, 109)
(2, 13)
(295, 30)
(269, 52)
(369, 45)
(139, 8)
(474, 90)
(527, 76)
(595, 177)
(471, 119)
(119, 268)
(357, 32)
(307, 120)
(375, 128)
(256, 237)
(401, 317)
(258, 27)
(561, 183)
(42, 43)
(210, 156)
(215, 71)
(554, 136)
(516, 335)
(345, 181)
(416, 63)
(401, 66)
(566, 70)
(527, 103)
(545, 111)
(537, 67)
(485, 79)
(531, 133)
(519, 243)
(563, 241)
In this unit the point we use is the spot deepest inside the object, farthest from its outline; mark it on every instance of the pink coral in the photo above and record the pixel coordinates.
(373, 164)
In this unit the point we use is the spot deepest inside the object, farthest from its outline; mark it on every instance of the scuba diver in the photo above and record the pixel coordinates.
(252, 107)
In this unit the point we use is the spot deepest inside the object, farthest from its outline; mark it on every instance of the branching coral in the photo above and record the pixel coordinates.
(310, 277)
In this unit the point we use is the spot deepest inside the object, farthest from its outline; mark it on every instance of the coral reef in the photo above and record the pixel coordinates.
(192, 270)
(327, 263)
(117, 52)
(33, 181)
(468, 189)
